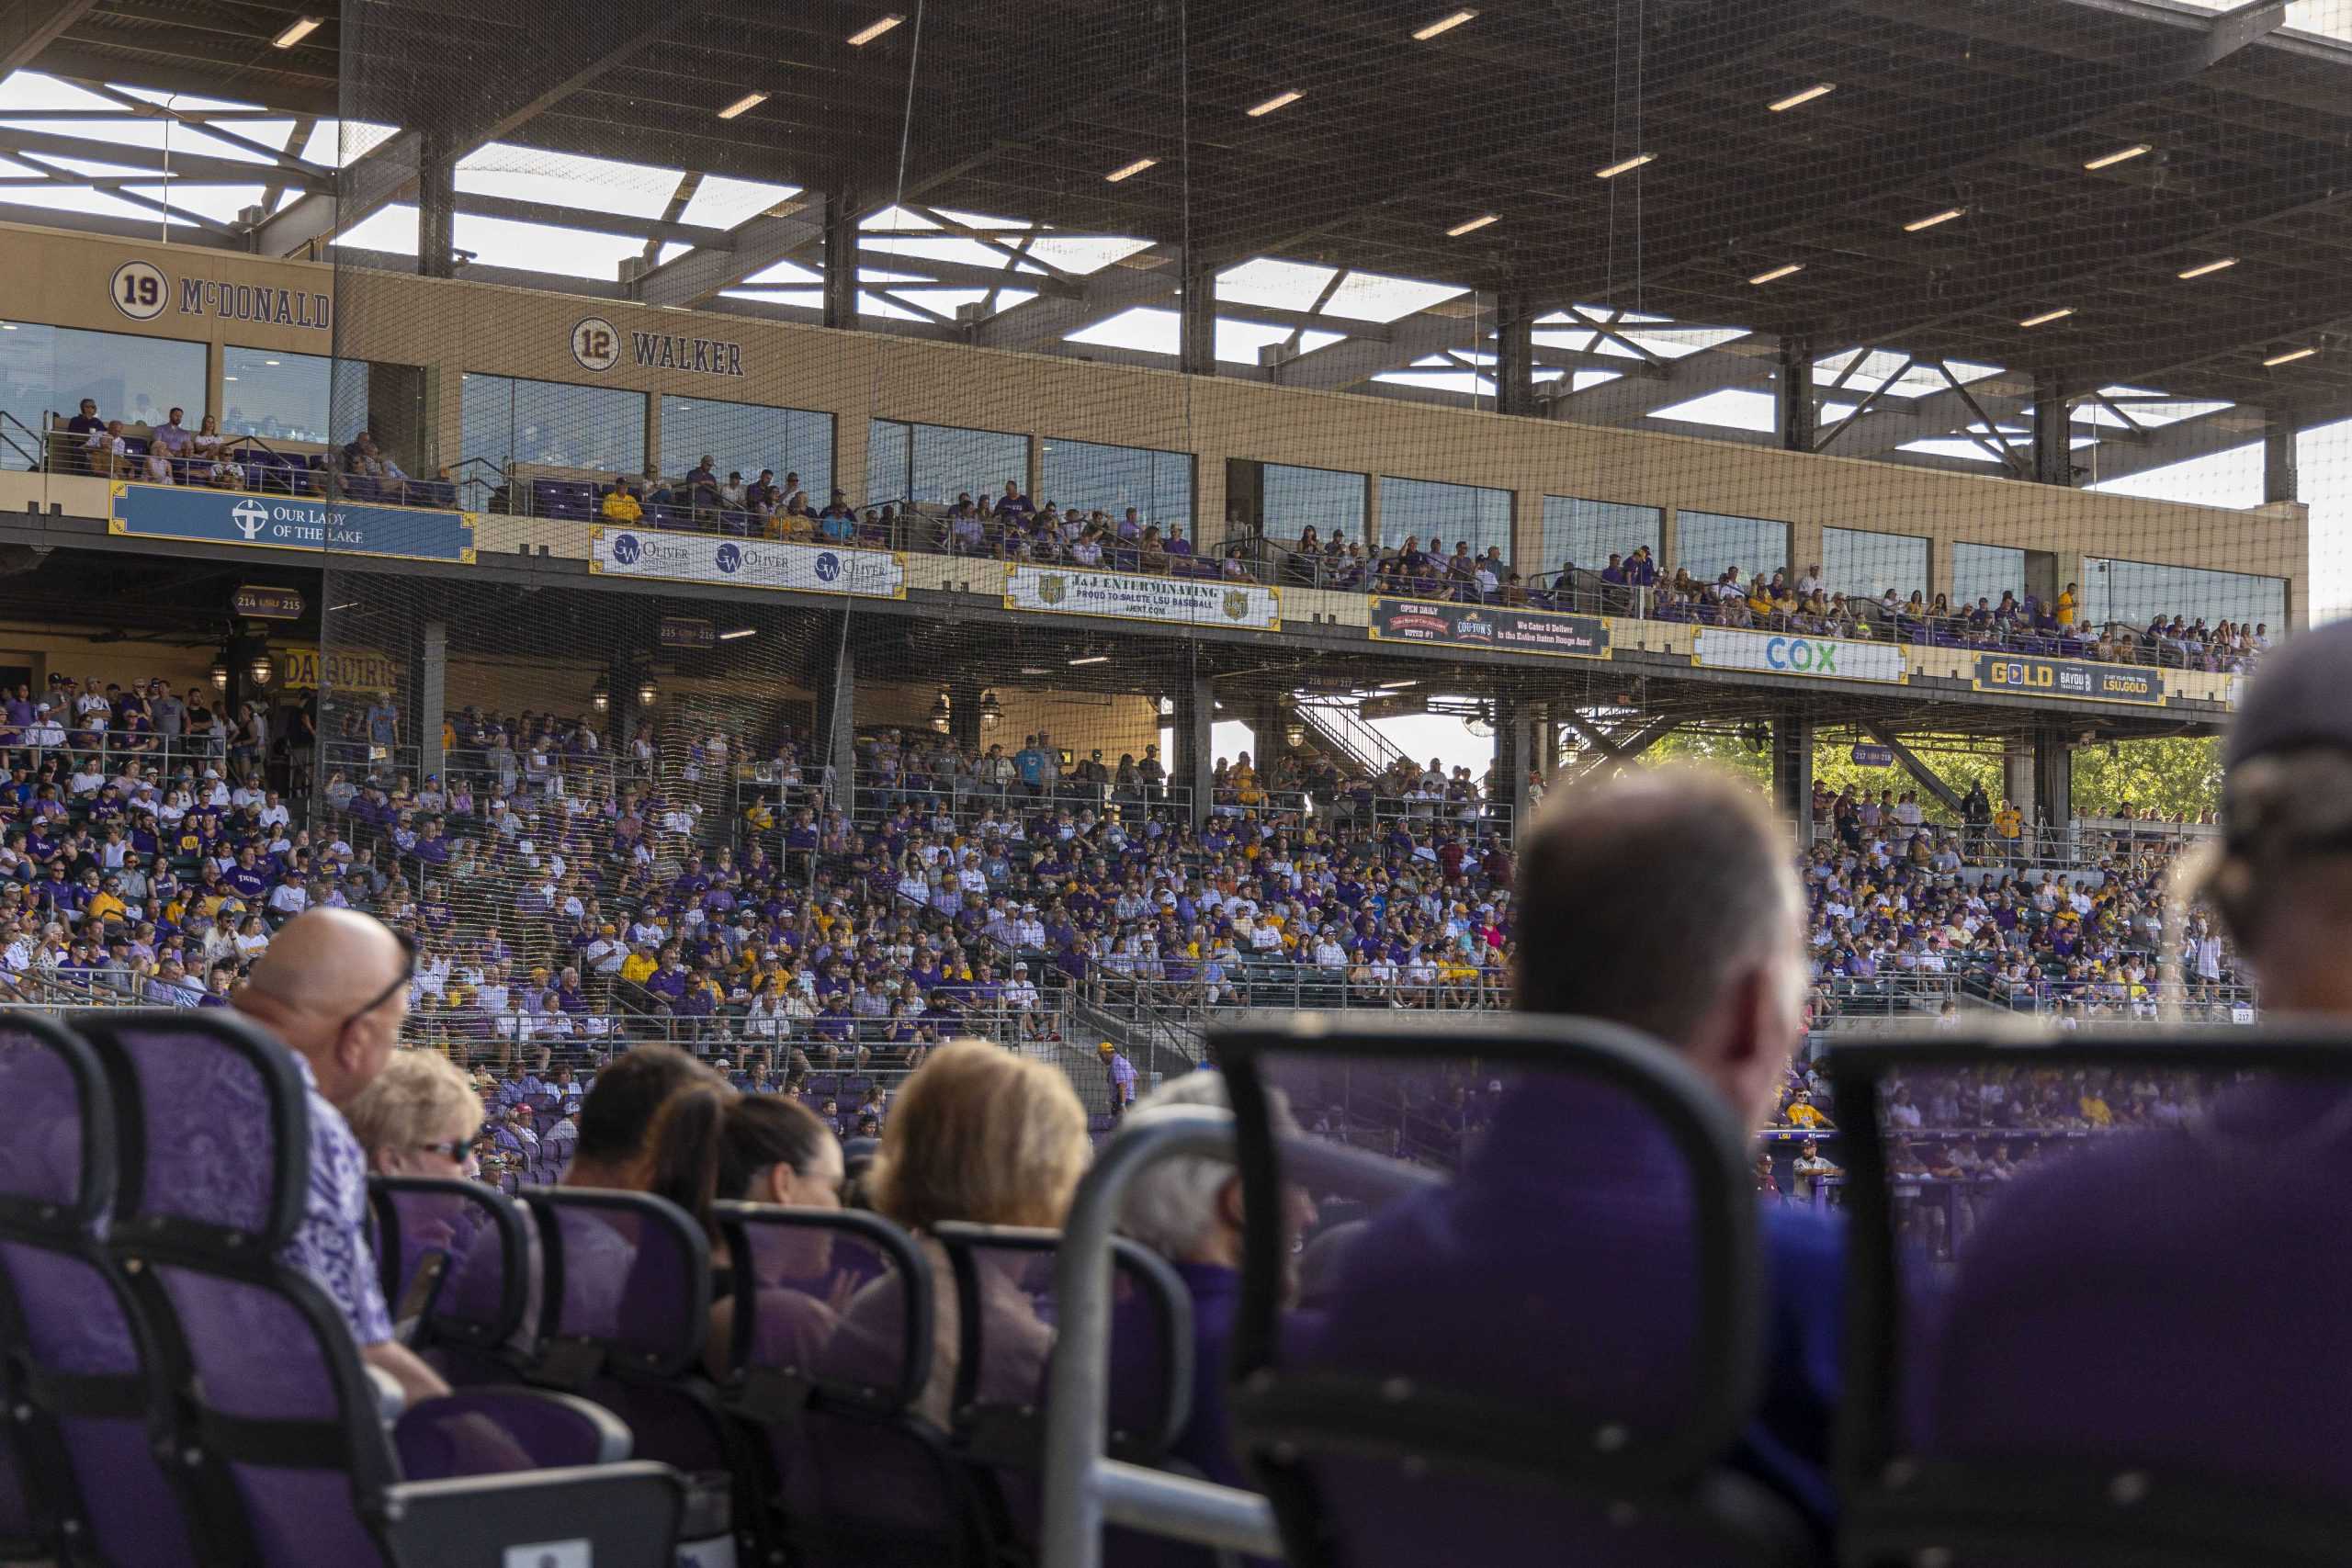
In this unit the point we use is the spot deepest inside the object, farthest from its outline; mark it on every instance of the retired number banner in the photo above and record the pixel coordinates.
(1183, 601)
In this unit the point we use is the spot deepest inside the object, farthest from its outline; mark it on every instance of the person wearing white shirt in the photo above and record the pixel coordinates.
(1329, 956)
(288, 898)
(88, 779)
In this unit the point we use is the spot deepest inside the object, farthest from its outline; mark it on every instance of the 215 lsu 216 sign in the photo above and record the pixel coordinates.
(2066, 678)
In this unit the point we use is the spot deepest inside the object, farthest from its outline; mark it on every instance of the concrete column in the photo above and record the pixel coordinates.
(2053, 458)
(1195, 747)
(1797, 417)
(1514, 352)
(853, 434)
(840, 261)
(2280, 478)
(655, 456)
(2017, 774)
(436, 205)
(2053, 778)
(836, 689)
(1517, 741)
(431, 697)
(1792, 771)
(1370, 513)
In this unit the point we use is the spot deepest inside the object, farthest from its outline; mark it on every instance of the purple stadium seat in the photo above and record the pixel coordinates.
(831, 1345)
(454, 1258)
(279, 1422)
(625, 1292)
(79, 1460)
(2138, 1354)
(1553, 1354)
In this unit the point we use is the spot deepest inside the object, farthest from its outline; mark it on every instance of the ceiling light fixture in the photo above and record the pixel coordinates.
(739, 633)
(873, 31)
(1929, 221)
(295, 32)
(1472, 226)
(1818, 90)
(2288, 357)
(1397, 686)
(2206, 268)
(1442, 24)
(1092, 658)
(1280, 100)
(1778, 273)
(1130, 171)
(2047, 317)
(2122, 154)
(1625, 166)
(743, 105)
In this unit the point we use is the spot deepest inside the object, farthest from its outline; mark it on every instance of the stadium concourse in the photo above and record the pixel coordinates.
(830, 787)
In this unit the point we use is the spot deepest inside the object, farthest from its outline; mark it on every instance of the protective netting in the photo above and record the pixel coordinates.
(901, 457)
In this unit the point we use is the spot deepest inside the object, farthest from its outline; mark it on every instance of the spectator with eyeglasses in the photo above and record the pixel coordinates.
(419, 1118)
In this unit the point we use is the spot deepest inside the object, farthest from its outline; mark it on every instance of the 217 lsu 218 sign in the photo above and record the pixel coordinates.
(2070, 679)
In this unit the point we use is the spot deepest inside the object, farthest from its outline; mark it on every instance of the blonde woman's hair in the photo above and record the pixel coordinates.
(417, 1093)
(980, 1134)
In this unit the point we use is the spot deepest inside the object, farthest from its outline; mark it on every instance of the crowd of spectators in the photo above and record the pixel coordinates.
(166, 452)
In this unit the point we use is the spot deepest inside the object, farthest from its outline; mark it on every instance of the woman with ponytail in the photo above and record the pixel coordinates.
(712, 1145)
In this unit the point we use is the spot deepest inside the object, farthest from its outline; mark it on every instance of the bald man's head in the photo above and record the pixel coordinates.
(334, 985)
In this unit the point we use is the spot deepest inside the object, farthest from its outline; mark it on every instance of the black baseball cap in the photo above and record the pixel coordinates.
(2301, 698)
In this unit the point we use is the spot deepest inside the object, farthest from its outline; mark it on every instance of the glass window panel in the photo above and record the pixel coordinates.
(1705, 543)
(1586, 532)
(292, 397)
(1857, 561)
(935, 463)
(1325, 499)
(1434, 513)
(509, 420)
(2134, 591)
(46, 371)
(1985, 571)
(746, 437)
(1090, 477)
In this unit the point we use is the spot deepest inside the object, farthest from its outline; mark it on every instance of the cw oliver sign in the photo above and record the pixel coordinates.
(1191, 601)
(1782, 653)
(748, 563)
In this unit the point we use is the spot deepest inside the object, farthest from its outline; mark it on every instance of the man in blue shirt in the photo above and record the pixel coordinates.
(1693, 938)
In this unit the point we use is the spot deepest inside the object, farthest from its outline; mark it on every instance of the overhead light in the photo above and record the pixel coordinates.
(2203, 268)
(941, 717)
(269, 362)
(600, 696)
(873, 31)
(648, 691)
(1471, 227)
(1929, 221)
(1092, 658)
(1778, 273)
(743, 105)
(1280, 100)
(2288, 357)
(2121, 155)
(739, 634)
(260, 669)
(295, 32)
(1818, 90)
(1442, 24)
(7, 326)
(220, 674)
(1130, 171)
(1625, 166)
(992, 710)
(1397, 686)
(2047, 317)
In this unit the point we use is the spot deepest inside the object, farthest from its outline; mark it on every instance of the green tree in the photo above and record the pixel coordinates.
(2180, 776)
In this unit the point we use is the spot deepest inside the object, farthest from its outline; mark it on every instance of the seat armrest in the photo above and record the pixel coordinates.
(487, 1430)
(614, 1516)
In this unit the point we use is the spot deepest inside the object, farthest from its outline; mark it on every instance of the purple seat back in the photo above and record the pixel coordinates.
(215, 1186)
(454, 1255)
(72, 1357)
(1584, 1283)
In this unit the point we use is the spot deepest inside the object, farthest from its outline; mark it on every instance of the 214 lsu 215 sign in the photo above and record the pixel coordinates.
(1489, 625)
(2070, 679)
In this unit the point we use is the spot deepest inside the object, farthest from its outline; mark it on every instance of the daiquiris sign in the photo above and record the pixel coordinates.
(289, 522)
(1814, 657)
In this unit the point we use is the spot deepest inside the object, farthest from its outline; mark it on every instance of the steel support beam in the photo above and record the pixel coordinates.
(1797, 411)
(1792, 737)
(2280, 478)
(754, 244)
(1514, 352)
(436, 207)
(1929, 779)
(2053, 455)
(840, 261)
(1196, 319)
(28, 27)
(1147, 277)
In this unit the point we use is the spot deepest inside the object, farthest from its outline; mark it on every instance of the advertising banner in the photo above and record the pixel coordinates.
(748, 563)
(290, 522)
(1507, 631)
(1180, 601)
(2069, 678)
(1784, 653)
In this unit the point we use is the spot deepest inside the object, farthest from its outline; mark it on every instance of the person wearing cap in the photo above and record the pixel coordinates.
(1120, 1074)
(2206, 1247)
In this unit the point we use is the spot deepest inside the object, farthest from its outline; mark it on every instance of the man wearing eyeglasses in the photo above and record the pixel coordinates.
(334, 985)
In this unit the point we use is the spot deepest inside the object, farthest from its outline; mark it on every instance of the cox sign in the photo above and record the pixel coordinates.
(1814, 657)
